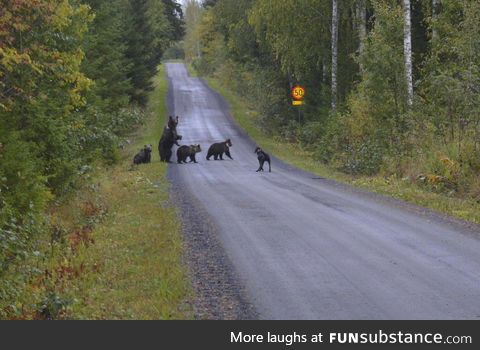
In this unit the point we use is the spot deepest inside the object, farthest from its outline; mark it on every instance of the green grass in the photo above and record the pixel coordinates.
(467, 209)
(135, 265)
(191, 71)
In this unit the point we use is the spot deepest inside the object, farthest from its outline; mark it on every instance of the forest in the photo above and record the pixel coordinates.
(74, 78)
(392, 90)
(392, 87)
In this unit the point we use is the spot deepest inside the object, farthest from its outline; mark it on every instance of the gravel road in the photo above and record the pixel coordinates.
(290, 245)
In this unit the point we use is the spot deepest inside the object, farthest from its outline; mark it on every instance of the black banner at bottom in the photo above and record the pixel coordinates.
(239, 334)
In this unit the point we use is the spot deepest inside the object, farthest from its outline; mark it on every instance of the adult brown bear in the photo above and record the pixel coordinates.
(168, 139)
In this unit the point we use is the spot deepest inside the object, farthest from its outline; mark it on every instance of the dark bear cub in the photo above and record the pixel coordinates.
(183, 152)
(262, 158)
(144, 156)
(218, 149)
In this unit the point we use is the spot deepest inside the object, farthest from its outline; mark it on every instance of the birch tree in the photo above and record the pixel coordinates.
(361, 23)
(407, 50)
(434, 16)
(334, 53)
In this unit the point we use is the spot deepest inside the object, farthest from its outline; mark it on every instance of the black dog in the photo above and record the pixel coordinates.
(262, 158)
(144, 156)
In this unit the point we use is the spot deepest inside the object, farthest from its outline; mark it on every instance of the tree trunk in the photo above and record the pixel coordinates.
(362, 24)
(434, 16)
(324, 70)
(407, 49)
(334, 53)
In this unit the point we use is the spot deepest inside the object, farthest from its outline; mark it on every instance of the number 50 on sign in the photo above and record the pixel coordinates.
(298, 94)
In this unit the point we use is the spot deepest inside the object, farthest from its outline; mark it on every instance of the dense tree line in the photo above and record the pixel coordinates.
(74, 76)
(393, 87)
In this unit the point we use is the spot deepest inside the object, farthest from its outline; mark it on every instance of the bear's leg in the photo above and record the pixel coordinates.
(215, 156)
(161, 151)
(168, 156)
(227, 153)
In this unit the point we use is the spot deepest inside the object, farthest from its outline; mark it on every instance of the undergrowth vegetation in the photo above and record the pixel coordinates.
(111, 249)
(74, 81)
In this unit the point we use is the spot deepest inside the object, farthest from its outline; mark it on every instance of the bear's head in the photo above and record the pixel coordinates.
(195, 148)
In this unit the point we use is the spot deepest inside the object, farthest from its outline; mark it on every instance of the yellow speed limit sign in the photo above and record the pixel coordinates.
(298, 93)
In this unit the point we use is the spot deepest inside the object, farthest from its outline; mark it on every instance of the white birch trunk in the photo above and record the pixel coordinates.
(434, 16)
(361, 25)
(324, 70)
(407, 50)
(334, 53)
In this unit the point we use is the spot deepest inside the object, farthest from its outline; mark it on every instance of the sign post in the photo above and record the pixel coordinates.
(298, 93)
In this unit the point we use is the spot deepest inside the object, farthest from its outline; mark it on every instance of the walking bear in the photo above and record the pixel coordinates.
(217, 149)
(187, 151)
(262, 158)
(168, 139)
(144, 156)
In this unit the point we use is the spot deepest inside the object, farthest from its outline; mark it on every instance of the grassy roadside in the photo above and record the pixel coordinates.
(139, 246)
(126, 247)
(191, 71)
(467, 209)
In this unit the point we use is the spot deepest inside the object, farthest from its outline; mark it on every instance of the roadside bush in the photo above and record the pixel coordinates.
(363, 158)
(22, 185)
(447, 170)
(309, 134)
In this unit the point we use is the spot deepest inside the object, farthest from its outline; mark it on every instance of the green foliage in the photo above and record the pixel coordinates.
(68, 74)
(149, 35)
(260, 48)
(174, 14)
(374, 123)
(174, 52)
(105, 56)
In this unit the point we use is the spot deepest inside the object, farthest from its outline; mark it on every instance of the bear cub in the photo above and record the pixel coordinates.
(218, 149)
(144, 156)
(183, 152)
